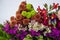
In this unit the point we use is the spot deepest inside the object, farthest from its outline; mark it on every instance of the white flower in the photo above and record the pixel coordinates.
(22, 28)
(41, 27)
(54, 10)
(19, 27)
(36, 26)
(47, 31)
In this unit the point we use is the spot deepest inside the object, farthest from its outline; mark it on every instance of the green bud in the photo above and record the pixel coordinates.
(28, 15)
(33, 12)
(24, 13)
(29, 7)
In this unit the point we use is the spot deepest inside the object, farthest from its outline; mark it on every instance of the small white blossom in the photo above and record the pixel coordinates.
(36, 26)
(47, 31)
(19, 27)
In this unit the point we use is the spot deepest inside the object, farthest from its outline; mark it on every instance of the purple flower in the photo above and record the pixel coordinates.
(9, 30)
(55, 33)
(21, 35)
(34, 33)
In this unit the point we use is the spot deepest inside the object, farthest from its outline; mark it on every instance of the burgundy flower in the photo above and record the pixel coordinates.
(58, 24)
(39, 9)
(45, 20)
(44, 12)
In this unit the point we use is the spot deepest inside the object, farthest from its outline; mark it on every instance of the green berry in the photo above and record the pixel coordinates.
(33, 12)
(28, 15)
(24, 13)
(29, 7)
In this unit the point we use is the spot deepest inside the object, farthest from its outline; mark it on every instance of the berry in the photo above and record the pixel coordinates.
(33, 12)
(24, 13)
(29, 7)
(28, 15)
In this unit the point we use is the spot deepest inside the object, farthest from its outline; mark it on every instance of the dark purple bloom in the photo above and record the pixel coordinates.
(21, 35)
(55, 33)
(10, 30)
(34, 33)
(58, 24)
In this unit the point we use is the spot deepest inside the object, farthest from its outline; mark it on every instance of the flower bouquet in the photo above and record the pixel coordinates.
(28, 24)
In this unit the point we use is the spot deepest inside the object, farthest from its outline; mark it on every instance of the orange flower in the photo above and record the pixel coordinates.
(19, 22)
(13, 23)
(18, 16)
(17, 12)
(12, 18)
(36, 17)
(26, 21)
(22, 7)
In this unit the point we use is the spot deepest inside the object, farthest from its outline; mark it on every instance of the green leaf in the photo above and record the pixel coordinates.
(4, 34)
(49, 38)
(28, 37)
(40, 37)
(1, 25)
(46, 6)
(51, 7)
(3, 38)
(35, 37)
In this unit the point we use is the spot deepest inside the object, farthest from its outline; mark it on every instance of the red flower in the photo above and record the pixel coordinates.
(55, 6)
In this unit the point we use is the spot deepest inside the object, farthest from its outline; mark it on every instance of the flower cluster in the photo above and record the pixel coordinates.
(34, 24)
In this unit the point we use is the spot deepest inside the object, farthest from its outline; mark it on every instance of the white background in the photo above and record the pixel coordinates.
(8, 8)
